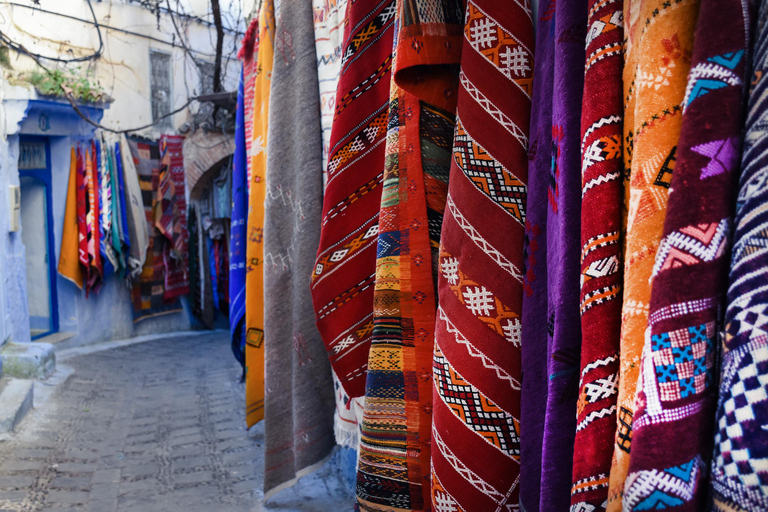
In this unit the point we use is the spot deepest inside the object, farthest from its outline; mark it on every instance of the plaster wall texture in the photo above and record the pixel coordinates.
(124, 68)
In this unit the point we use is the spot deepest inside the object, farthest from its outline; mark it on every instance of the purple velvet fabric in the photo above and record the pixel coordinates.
(563, 251)
(534, 321)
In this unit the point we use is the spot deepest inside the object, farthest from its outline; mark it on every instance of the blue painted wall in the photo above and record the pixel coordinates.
(105, 316)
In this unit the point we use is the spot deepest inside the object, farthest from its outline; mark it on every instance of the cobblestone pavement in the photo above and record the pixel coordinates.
(151, 427)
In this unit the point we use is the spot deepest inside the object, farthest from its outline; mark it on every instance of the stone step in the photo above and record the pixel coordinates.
(15, 402)
(28, 360)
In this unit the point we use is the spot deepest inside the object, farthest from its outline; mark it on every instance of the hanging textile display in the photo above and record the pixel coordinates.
(247, 54)
(254, 277)
(69, 261)
(601, 255)
(136, 217)
(148, 288)
(329, 22)
(562, 253)
(82, 220)
(739, 475)
(394, 462)
(676, 393)
(96, 272)
(238, 231)
(343, 276)
(658, 56)
(534, 318)
(104, 181)
(171, 215)
(476, 400)
(124, 231)
(299, 401)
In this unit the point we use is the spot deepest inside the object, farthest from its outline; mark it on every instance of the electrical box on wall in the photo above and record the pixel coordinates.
(14, 196)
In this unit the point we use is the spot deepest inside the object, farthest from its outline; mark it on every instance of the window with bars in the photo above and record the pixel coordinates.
(160, 84)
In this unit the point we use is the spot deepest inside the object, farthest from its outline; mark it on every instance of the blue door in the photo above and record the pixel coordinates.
(37, 234)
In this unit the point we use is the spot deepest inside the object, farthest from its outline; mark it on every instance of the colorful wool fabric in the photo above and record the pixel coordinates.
(476, 399)
(659, 45)
(601, 259)
(96, 269)
(563, 243)
(342, 280)
(82, 222)
(739, 478)
(171, 216)
(148, 288)
(254, 268)
(534, 321)
(238, 228)
(69, 262)
(248, 54)
(104, 177)
(676, 394)
(330, 19)
(299, 403)
(136, 218)
(393, 470)
(124, 230)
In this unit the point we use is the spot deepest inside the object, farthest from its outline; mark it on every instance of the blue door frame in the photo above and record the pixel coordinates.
(43, 175)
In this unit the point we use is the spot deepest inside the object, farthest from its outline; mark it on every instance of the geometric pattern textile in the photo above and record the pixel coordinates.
(344, 270)
(329, 22)
(602, 167)
(739, 476)
(659, 37)
(476, 399)
(257, 186)
(173, 221)
(148, 288)
(396, 434)
(676, 396)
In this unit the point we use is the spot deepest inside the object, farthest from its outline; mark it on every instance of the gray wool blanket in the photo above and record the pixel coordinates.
(299, 401)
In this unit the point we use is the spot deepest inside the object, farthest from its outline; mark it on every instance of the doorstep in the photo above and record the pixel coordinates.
(56, 337)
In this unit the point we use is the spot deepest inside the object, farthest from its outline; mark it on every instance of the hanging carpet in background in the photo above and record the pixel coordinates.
(136, 217)
(69, 262)
(394, 463)
(601, 256)
(249, 47)
(148, 289)
(476, 373)
(329, 23)
(96, 267)
(659, 37)
(170, 210)
(238, 232)
(254, 264)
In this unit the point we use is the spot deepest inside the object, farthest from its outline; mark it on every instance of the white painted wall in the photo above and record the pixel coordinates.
(123, 70)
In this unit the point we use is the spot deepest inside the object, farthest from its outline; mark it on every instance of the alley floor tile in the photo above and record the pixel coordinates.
(151, 427)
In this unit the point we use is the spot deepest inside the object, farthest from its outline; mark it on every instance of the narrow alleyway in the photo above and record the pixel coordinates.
(154, 426)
